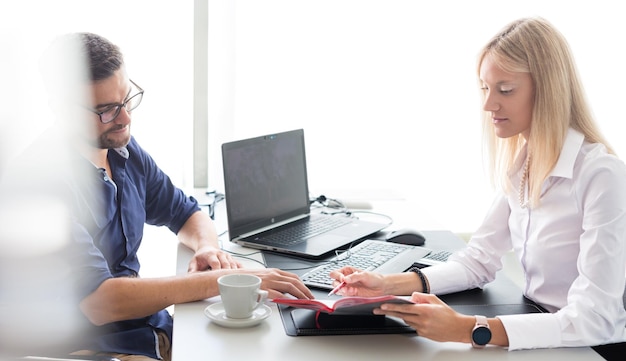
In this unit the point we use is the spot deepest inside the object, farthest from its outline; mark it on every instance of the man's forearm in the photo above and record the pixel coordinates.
(127, 298)
(198, 231)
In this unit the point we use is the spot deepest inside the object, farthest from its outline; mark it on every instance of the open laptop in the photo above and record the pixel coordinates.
(267, 199)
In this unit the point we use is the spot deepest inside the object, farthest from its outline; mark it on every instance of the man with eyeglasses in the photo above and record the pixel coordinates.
(108, 112)
(123, 188)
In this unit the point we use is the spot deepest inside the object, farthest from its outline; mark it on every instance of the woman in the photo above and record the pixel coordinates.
(561, 206)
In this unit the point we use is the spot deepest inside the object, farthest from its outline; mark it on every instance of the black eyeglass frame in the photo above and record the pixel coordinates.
(118, 107)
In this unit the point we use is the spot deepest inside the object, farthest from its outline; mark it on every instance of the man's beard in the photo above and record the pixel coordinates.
(105, 142)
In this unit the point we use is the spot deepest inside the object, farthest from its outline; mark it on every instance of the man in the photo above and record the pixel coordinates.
(122, 188)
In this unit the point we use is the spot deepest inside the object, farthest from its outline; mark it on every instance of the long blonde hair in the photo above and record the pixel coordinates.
(534, 46)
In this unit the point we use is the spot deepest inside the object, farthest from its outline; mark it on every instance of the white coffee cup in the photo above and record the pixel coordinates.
(241, 294)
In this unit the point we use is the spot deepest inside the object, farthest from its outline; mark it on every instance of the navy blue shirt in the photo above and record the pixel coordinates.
(108, 230)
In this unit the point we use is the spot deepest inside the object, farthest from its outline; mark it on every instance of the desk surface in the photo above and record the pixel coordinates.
(197, 338)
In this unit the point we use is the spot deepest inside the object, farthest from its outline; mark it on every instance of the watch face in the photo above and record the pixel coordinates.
(481, 335)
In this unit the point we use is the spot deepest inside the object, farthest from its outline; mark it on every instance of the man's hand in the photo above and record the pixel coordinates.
(278, 283)
(212, 258)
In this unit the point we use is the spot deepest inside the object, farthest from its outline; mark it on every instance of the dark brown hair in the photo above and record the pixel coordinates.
(103, 57)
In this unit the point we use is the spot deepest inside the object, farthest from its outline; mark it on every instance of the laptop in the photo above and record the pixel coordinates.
(268, 204)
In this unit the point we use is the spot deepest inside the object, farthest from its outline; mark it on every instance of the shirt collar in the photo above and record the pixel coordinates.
(571, 147)
(123, 151)
(564, 167)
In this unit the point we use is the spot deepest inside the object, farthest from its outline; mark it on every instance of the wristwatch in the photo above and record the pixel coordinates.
(481, 334)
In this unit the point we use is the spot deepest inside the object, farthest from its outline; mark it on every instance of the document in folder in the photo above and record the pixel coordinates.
(344, 305)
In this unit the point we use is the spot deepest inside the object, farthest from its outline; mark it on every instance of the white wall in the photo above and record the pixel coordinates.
(156, 38)
(386, 90)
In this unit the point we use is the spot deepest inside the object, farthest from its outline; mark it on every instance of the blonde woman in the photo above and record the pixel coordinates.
(561, 207)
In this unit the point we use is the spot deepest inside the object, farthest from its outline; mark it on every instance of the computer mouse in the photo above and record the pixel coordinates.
(406, 236)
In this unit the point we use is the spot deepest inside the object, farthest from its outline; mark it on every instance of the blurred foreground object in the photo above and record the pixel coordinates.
(38, 303)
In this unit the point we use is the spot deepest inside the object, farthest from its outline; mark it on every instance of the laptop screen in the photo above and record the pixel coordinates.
(265, 180)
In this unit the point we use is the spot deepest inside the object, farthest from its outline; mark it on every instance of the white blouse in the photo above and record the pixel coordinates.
(572, 249)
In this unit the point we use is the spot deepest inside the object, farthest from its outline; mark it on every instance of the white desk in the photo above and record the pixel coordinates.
(196, 338)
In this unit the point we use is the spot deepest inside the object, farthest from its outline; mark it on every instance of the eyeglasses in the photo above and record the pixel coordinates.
(112, 111)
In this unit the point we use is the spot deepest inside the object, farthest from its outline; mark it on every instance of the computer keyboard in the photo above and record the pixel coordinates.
(298, 233)
(434, 258)
(368, 255)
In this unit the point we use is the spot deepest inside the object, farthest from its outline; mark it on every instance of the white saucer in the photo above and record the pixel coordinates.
(216, 313)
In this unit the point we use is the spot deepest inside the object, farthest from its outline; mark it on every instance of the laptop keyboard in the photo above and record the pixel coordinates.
(366, 256)
(300, 232)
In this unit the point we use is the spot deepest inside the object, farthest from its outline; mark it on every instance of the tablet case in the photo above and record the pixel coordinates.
(304, 322)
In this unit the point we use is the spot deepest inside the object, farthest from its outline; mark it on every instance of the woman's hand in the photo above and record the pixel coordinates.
(358, 283)
(431, 318)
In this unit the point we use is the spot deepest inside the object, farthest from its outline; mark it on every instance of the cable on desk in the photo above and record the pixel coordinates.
(325, 202)
(349, 213)
(217, 197)
(338, 253)
(246, 256)
(340, 209)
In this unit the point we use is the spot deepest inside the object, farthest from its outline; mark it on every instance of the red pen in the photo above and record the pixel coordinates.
(339, 286)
